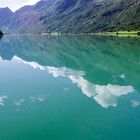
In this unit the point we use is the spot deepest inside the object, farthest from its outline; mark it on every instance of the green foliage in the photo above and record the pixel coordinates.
(93, 16)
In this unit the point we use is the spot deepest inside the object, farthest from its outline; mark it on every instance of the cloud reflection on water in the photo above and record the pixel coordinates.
(2, 100)
(105, 95)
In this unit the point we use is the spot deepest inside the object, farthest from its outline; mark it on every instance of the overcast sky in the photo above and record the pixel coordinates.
(16, 4)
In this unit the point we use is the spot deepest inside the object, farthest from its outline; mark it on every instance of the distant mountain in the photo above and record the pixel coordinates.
(24, 20)
(77, 16)
(5, 16)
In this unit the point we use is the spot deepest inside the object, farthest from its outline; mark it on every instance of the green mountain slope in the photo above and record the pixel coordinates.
(77, 16)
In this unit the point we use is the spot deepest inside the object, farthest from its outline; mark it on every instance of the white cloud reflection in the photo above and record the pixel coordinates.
(18, 102)
(105, 95)
(135, 103)
(2, 100)
(37, 98)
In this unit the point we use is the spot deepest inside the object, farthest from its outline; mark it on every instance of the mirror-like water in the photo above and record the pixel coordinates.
(69, 87)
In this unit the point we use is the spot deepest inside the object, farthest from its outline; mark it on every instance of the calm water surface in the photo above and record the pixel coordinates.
(69, 88)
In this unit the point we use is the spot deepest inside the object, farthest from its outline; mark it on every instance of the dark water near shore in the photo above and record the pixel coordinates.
(69, 88)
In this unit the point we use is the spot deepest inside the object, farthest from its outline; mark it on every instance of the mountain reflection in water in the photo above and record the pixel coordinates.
(104, 68)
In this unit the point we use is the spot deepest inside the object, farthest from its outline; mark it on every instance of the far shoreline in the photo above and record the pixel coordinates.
(118, 33)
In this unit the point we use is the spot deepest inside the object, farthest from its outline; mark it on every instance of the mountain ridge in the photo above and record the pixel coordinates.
(76, 16)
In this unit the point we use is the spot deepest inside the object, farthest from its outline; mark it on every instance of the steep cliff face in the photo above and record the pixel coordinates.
(76, 16)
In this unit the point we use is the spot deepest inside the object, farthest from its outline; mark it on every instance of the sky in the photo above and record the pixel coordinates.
(16, 4)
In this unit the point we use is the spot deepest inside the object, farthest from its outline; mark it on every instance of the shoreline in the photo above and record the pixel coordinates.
(119, 34)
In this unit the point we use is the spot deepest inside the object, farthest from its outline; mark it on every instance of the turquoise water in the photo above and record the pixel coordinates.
(69, 88)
